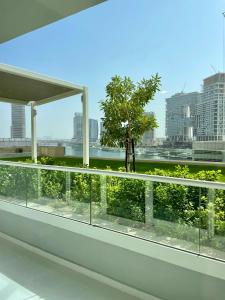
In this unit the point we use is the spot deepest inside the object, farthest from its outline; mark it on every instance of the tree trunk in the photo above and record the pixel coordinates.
(126, 159)
(133, 154)
(130, 155)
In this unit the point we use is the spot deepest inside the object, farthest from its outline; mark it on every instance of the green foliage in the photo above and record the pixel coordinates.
(179, 210)
(53, 184)
(46, 160)
(124, 118)
(174, 204)
(179, 203)
(18, 183)
(81, 187)
(123, 108)
(141, 167)
(126, 198)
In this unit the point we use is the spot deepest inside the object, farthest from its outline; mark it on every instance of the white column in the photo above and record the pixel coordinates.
(33, 132)
(85, 127)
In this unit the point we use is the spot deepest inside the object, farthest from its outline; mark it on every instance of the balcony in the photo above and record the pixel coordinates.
(35, 267)
(26, 275)
(120, 229)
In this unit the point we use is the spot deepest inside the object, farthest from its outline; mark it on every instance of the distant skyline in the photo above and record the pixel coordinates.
(181, 40)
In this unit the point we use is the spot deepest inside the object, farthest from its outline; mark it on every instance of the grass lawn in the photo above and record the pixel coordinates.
(141, 167)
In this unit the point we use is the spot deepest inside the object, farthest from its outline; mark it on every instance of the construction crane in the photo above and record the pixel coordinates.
(184, 86)
(213, 68)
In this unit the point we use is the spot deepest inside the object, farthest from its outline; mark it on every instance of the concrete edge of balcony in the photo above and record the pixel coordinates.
(190, 261)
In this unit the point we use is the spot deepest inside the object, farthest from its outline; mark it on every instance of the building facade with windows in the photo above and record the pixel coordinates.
(210, 110)
(180, 118)
(149, 136)
(78, 128)
(210, 121)
(93, 130)
(18, 121)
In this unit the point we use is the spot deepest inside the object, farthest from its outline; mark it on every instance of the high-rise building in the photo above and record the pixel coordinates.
(180, 117)
(149, 135)
(78, 128)
(93, 130)
(101, 129)
(18, 121)
(210, 110)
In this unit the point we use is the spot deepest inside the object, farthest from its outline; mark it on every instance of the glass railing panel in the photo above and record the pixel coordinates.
(79, 196)
(62, 193)
(176, 215)
(160, 212)
(13, 184)
(32, 186)
(56, 192)
(50, 191)
(212, 225)
(118, 203)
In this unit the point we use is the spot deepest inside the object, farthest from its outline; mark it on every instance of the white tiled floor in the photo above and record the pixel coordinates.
(27, 276)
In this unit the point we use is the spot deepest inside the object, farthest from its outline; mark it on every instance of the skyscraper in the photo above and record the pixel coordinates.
(93, 130)
(149, 135)
(180, 117)
(210, 110)
(78, 128)
(18, 121)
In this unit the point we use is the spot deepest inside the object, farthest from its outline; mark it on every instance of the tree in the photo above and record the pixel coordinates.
(124, 120)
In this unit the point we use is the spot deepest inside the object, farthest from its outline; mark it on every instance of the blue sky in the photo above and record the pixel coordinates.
(179, 39)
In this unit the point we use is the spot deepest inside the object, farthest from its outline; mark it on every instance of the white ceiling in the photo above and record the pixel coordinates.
(18, 17)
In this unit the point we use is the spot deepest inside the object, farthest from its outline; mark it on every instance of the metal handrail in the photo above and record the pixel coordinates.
(145, 177)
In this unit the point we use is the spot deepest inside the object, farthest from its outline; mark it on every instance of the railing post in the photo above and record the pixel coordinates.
(149, 217)
(33, 131)
(68, 187)
(39, 183)
(85, 130)
(211, 213)
(91, 208)
(103, 194)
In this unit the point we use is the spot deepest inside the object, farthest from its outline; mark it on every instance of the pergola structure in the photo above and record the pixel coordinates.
(26, 88)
